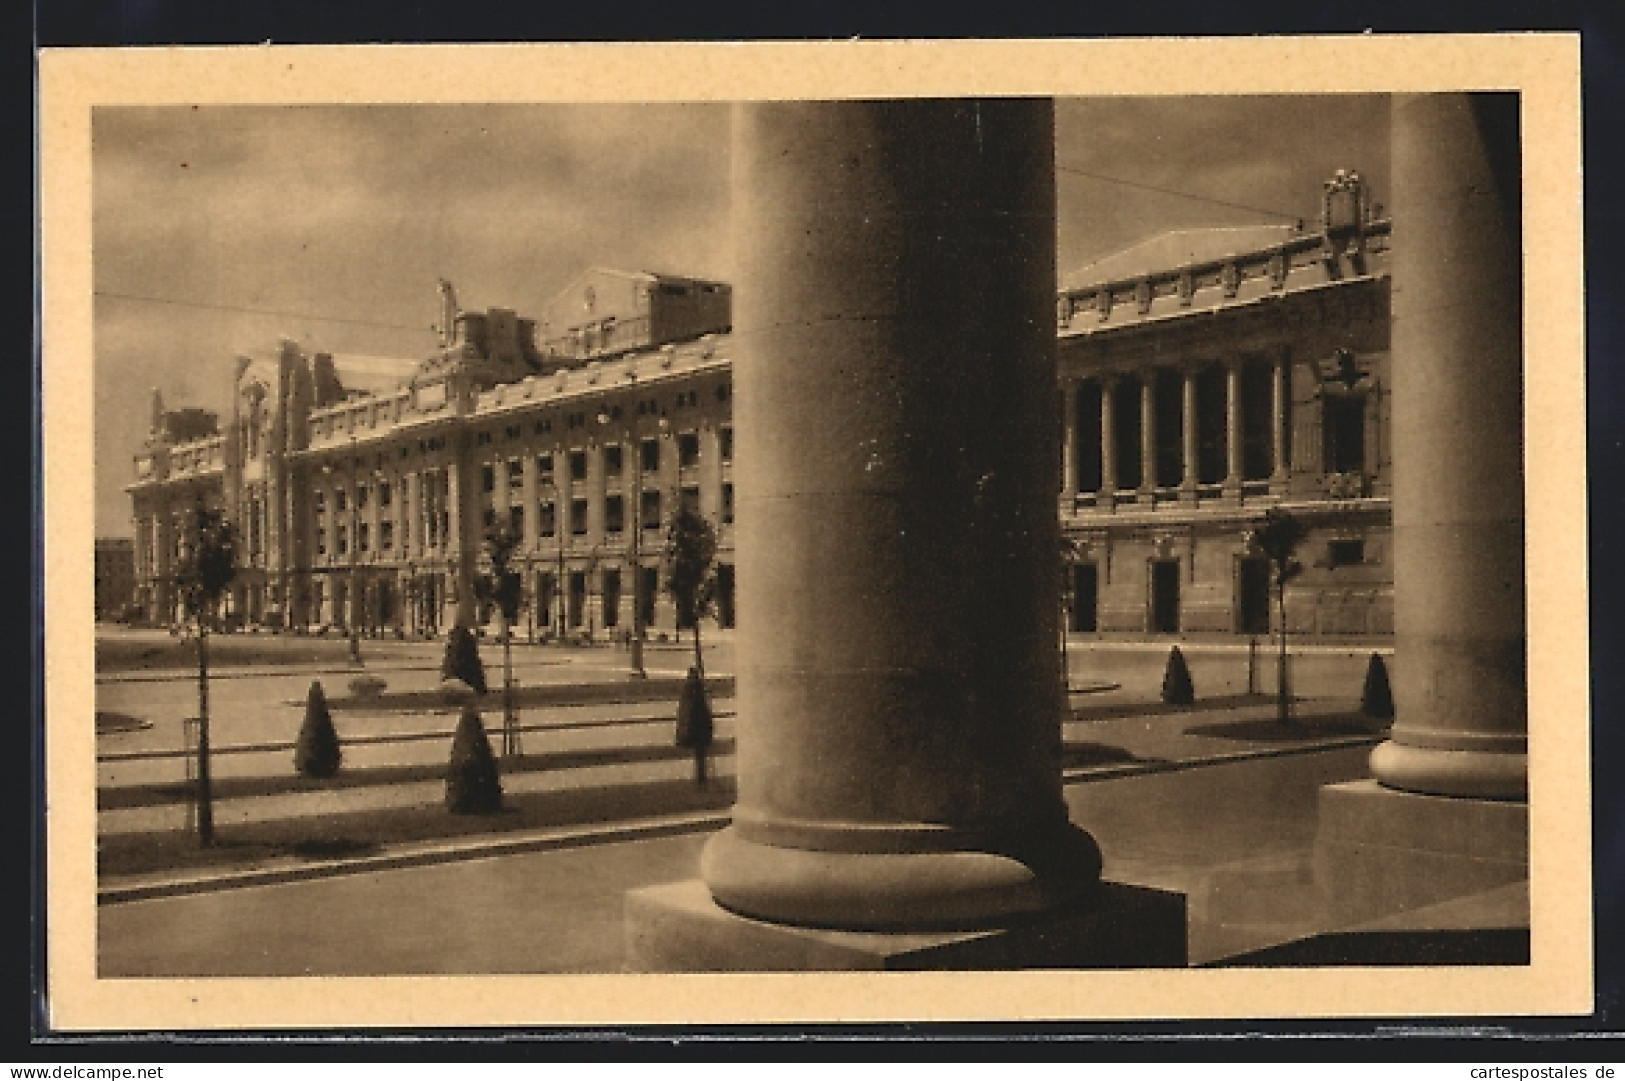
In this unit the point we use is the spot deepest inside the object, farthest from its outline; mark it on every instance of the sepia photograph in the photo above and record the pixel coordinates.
(1102, 541)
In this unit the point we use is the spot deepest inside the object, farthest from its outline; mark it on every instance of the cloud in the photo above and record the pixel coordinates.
(353, 212)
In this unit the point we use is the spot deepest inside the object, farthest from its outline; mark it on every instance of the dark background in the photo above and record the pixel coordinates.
(1601, 24)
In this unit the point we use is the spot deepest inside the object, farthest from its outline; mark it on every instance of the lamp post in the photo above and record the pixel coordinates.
(637, 670)
(350, 618)
(558, 539)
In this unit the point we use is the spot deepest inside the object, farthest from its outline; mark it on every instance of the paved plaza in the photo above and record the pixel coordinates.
(1214, 801)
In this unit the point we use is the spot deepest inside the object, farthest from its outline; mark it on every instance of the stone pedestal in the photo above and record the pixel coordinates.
(1459, 632)
(679, 928)
(1380, 852)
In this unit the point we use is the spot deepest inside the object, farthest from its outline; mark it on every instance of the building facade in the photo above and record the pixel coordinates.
(363, 487)
(1205, 377)
(115, 577)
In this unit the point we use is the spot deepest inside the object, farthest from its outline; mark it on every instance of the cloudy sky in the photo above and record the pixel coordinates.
(220, 230)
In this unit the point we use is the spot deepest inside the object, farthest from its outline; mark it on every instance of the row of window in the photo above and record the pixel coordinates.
(612, 456)
(651, 516)
(614, 512)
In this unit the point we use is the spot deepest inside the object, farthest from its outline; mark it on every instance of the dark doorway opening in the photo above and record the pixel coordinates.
(649, 588)
(1086, 425)
(1165, 596)
(578, 598)
(1126, 432)
(1085, 597)
(612, 598)
(725, 594)
(1253, 595)
(1345, 433)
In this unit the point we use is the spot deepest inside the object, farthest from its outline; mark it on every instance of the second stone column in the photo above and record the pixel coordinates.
(898, 700)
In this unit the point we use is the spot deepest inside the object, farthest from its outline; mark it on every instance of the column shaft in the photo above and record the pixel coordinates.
(1280, 388)
(1189, 448)
(1069, 438)
(1232, 426)
(462, 539)
(898, 739)
(1460, 687)
(1108, 437)
(1148, 430)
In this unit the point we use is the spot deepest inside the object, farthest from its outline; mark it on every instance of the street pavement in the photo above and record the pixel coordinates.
(1213, 802)
(1234, 837)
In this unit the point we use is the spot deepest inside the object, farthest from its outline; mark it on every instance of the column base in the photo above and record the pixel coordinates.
(902, 877)
(1475, 774)
(1380, 851)
(680, 928)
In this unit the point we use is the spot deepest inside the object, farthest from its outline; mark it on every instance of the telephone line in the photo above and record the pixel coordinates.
(1175, 192)
(258, 311)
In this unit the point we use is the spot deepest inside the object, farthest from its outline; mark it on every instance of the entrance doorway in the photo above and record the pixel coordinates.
(1253, 595)
(1085, 597)
(649, 589)
(1164, 596)
(578, 598)
(725, 594)
(612, 598)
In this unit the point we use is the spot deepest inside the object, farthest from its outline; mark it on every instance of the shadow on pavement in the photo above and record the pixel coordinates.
(1083, 754)
(1271, 730)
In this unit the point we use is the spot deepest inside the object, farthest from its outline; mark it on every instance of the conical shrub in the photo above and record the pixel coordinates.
(472, 784)
(317, 753)
(1177, 689)
(1377, 697)
(462, 660)
(694, 726)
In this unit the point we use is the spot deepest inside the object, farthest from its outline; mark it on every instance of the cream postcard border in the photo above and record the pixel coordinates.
(1544, 68)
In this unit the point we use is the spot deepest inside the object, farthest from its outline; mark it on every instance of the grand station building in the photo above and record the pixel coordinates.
(1205, 376)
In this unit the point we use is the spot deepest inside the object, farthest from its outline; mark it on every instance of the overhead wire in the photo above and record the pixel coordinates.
(111, 294)
(1075, 171)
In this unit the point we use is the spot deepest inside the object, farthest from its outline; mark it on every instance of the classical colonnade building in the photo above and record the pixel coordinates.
(1205, 376)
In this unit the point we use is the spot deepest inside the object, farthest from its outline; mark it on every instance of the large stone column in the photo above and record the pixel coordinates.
(1445, 816)
(1459, 689)
(1190, 451)
(463, 531)
(1280, 389)
(1148, 433)
(898, 693)
(1108, 440)
(1232, 427)
(1069, 439)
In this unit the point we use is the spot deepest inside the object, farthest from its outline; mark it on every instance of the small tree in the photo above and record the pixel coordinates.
(1069, 557)
(691, 549)
(203, 578)
(503, 586)
(1279, 538)
(472, 784)
(462, 660)
(1377, 697)
(1177, 689)
(694, 723)
(317, 752)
